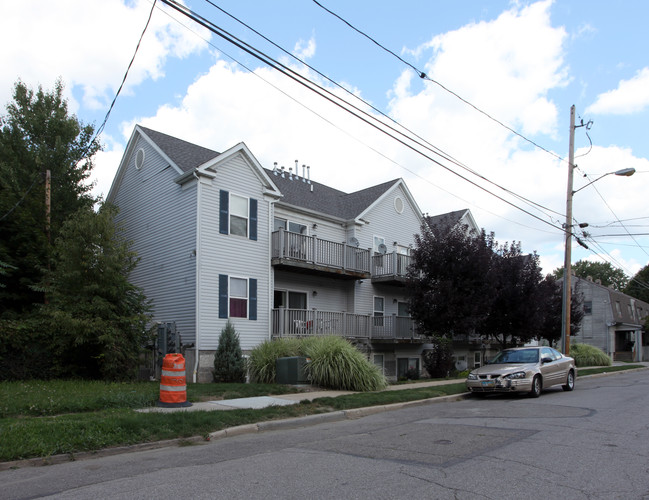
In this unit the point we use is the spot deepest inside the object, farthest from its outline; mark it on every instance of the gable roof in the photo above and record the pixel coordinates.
(300, 192)
(295, 190)
(185, 155)
(450, 219)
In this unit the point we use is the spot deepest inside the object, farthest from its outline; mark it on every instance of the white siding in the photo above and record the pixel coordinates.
(233, 255)
(158, 215)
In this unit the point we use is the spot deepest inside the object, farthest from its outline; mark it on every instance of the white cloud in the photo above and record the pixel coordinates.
(631, 96)
(305, 50)
(49, 47)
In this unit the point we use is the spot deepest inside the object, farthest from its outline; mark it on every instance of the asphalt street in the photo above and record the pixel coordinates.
(592, 443)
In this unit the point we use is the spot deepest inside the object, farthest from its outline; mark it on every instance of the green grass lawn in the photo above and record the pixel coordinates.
(41, 419)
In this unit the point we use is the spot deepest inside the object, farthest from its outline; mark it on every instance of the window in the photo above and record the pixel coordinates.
(378, 241)
(406, 365)
(477, 359)
(238, 215)
(588, 307)
(289, 299)
(293, 227)
(237, 297)
(379, 309)
(378, 362)
(618, 309)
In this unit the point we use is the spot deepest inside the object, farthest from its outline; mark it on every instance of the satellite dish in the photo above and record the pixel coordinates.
(382, 249)
(353, 241)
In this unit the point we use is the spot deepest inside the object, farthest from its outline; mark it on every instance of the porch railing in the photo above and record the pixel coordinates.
(313, 250)
(390, 264)
(305, 322)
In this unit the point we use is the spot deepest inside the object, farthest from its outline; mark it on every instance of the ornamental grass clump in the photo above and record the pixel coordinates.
(336, 364)
(588, 355)
(263, 357)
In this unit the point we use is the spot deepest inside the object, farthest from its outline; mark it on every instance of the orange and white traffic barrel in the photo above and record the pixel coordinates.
(173, 382)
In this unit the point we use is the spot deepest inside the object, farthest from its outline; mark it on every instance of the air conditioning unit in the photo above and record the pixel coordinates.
(292, 370)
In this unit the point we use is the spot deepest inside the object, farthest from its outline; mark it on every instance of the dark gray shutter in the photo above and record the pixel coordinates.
(223, 295)
(252, 292)
(224, 212)
(253, 219)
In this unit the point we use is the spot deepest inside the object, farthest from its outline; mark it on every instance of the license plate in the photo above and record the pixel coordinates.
(488, 383)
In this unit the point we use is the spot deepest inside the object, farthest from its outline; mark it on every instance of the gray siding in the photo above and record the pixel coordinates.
(158, 215)
(233, 255)
(385, 221)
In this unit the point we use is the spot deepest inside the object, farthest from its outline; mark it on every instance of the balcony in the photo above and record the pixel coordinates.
(317, 256)
(390, 268)
(304, 323)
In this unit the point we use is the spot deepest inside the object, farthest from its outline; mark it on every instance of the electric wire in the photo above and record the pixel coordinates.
(426, 143)
(310, 85)
(424, 76)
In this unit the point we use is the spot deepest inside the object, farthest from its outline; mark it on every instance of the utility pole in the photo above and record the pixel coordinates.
(567, 266)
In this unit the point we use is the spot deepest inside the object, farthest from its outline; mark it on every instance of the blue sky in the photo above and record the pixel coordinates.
(521, 63)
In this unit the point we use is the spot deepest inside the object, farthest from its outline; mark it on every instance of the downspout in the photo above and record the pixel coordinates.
(271, 274)
(198, 275)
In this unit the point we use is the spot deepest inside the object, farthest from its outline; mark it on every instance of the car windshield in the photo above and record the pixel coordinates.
(516, 356)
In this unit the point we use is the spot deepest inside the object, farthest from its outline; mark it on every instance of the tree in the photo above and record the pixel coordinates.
(603, 271)
(97, 318)
(229, 365)
(638, 286)
(37, 135)
(551, 301)
(450, 279)
(516, 312)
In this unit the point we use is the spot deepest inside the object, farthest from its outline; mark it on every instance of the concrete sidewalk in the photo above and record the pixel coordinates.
(285, 399)
(294, 398)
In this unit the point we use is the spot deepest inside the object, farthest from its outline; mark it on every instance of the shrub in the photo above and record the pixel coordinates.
(229, 365)
(262, 358)
(438, 361)
(588, 355)
(334, 363)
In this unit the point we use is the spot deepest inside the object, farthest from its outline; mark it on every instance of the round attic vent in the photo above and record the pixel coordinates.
(139, 158)
(398, 204)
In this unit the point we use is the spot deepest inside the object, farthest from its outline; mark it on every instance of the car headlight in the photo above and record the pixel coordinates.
(515, 375)
(472, 376)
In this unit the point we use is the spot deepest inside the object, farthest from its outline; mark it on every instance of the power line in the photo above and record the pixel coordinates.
(424, 76)
(336, 100)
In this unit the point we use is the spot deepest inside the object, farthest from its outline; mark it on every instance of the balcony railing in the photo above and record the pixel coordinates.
(390, 267)
(304, 322)
(324, 255)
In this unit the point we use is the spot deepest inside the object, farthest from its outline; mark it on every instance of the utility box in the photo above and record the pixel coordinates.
(292, 370)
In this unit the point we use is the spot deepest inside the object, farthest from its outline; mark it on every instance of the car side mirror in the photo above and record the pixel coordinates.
(546, 360)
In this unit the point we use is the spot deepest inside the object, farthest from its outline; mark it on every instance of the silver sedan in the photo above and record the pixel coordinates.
(524, 370)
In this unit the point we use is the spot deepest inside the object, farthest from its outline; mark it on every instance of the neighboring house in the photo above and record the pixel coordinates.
(612, 321)
(221, 238)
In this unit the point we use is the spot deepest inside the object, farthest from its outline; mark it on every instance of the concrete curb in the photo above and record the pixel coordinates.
(270, 425)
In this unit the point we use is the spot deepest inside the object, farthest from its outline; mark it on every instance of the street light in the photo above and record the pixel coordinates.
(567, 269)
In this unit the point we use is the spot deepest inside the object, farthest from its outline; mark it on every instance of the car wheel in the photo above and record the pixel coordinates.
(536, 387)
(570, 382)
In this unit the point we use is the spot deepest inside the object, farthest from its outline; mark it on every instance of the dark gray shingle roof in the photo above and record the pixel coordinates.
(184, 154)
(325, 199)
(447, 220)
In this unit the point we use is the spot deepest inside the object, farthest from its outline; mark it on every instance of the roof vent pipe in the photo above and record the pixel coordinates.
(308, 173)
(275, 168)
(297, 172)
(290, 173)
(303, 173)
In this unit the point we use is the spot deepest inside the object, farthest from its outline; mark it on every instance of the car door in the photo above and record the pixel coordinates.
(550, 369)
(563, 365)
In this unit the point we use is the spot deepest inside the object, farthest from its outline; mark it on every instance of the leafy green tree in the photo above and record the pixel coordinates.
(438, 360)
(37, 134)
(450, 279)
(638, 286)
(97, 318)
(229, 365)
(603, 271)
